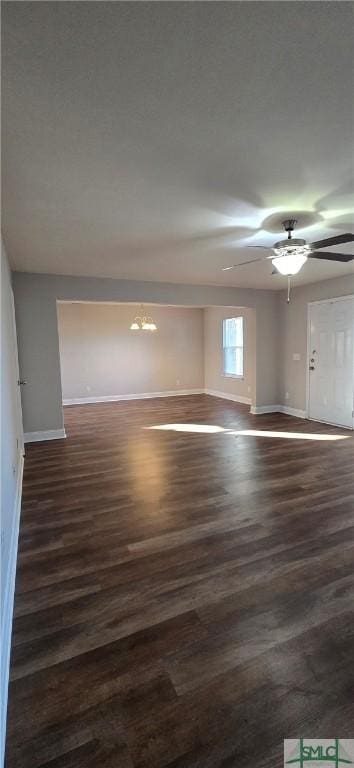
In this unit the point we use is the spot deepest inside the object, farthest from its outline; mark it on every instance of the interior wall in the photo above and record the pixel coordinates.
(293, 340)
(214, 378)
(11, 476)
(101, 357)
(281, 331)
(36, 297)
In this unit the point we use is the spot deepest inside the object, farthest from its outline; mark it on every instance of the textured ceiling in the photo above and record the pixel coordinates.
(152, 140)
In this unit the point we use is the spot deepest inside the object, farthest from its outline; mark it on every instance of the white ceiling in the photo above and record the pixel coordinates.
(152, 140)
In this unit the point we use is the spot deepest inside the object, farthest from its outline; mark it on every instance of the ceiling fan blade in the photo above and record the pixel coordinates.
(267, 247)
(336, 240)
(344, 257)
(242, 263)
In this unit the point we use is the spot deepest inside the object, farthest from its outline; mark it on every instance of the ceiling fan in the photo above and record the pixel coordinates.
(291, 254)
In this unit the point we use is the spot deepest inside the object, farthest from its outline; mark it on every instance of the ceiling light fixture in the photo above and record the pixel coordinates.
(143, 322)
(290, 259)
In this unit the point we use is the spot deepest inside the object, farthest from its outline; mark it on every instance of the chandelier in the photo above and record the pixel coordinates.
(143, 322)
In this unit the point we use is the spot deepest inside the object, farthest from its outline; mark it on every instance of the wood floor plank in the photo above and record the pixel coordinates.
(184, 599)
(276, 695)
(254, 629)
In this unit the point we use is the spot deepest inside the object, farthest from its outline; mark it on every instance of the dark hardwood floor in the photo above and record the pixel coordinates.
(183, 598)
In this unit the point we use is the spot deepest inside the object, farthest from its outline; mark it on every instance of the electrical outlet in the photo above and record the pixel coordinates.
(248, 389)
(286, 395)
(177, 382)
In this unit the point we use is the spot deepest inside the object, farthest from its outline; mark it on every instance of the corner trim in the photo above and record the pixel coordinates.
(6, 625)
(140, 396)
(227, 396)
(49, 434)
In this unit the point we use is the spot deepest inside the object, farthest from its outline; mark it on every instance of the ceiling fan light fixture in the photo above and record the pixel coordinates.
(289, 260)
(134, 326)
(289, 264)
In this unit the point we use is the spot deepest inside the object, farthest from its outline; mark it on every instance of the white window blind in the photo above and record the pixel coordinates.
(233, 346)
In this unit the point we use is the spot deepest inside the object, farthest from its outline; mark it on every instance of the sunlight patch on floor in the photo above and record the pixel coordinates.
(286, 435)
(209, 428)
(212, 429)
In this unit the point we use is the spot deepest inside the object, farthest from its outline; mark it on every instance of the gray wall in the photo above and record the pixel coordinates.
(213, 352)
(36, 296)
(101, 357)
(11, 447)
(293, 323)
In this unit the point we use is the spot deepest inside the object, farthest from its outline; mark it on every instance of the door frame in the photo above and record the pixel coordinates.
(16, 374)
(309, 305)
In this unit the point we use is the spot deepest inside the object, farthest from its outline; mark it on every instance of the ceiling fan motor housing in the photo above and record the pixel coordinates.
(296, 242)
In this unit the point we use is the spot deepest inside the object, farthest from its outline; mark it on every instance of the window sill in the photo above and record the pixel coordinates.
(233, 376)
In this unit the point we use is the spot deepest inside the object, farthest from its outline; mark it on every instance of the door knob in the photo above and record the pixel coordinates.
(21, 382)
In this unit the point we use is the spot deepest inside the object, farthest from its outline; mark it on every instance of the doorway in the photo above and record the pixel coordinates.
(331, 361)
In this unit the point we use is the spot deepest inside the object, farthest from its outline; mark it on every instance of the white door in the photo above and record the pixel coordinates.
(331, 362)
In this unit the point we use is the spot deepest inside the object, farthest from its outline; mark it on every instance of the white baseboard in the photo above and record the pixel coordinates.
(140, 396)
(148, 395)
(257, 410)
(6, 624)
(227, 396)
(293, 412)
(49, 434)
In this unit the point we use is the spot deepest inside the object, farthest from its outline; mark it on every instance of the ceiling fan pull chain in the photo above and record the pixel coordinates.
(288, 299)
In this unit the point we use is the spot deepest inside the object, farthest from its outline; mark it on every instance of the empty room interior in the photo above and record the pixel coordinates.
(177, 384)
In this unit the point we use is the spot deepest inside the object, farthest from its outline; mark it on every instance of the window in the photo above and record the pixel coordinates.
(233, 346)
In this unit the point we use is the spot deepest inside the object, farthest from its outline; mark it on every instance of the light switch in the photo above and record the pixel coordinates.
(296, 356)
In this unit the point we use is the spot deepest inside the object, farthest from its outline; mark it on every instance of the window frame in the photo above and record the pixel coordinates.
(239, 376)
